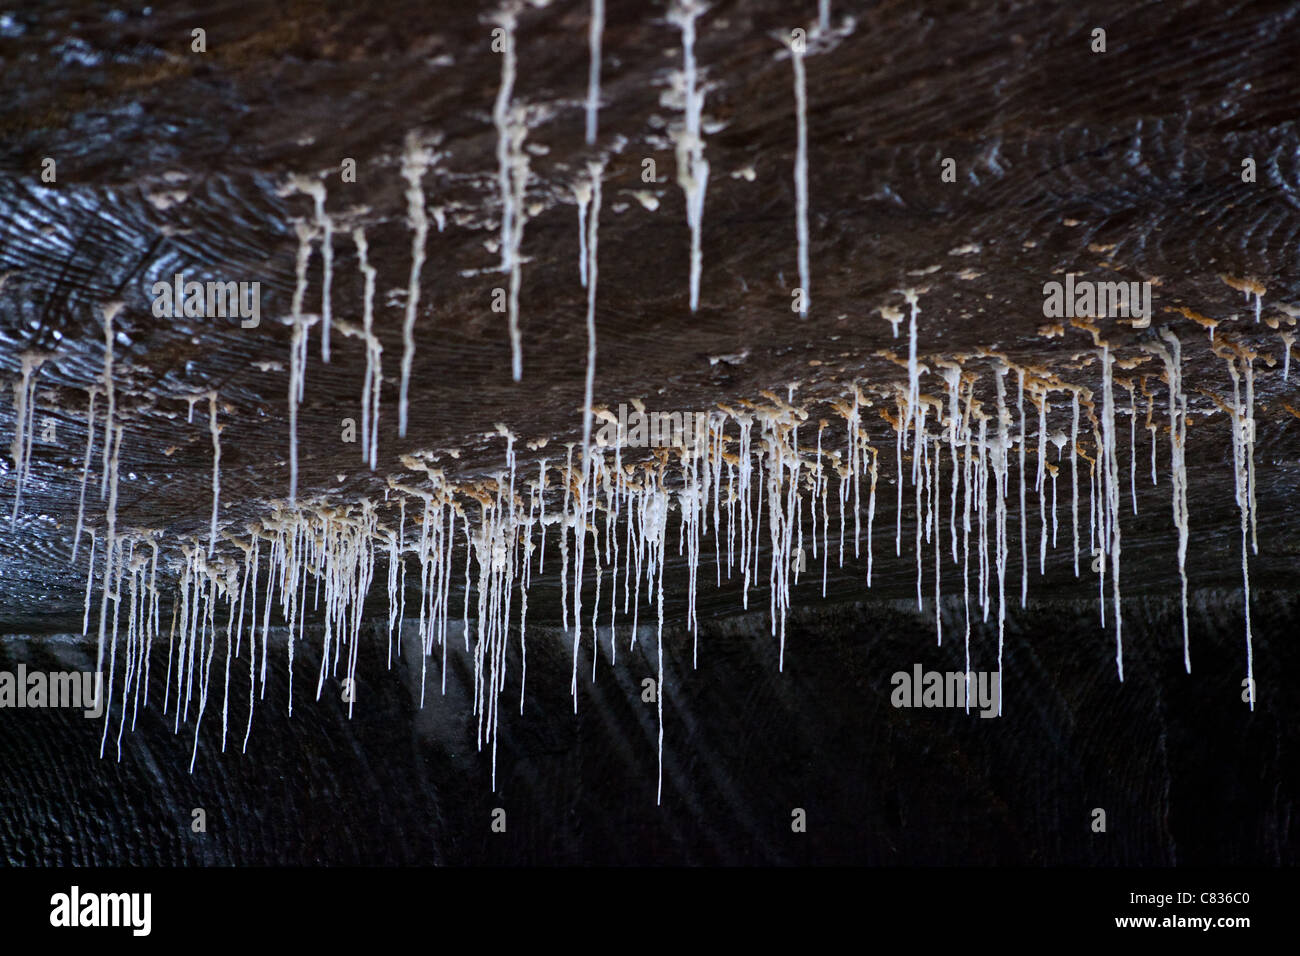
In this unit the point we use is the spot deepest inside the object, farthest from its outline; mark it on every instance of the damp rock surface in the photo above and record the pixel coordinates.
(846, 246)
(1123, 165)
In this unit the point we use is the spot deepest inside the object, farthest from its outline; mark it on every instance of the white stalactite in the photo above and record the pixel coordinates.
(415, 162)
(1074, 475)
(215, 432)
(1172, 358)
(512, 178)
(1020, 450)
(801, 172)
(24, 427)
(110, 310)
(85, 467)
(692, 167)
(1241, 420)
(310, 186)
(1110, 476)
(373, 381)
(595, 30)
(299, 323)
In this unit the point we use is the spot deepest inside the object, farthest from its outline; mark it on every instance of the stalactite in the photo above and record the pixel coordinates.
(1023, 522)
(85, 468)
(314, 188)
(109, 311)
(1110, 475)
(692, 167)
(935, 482)
(1043, 403)
(297, 372)
(1001, 468)
(299, 323)
(913, 382)
(372, 383)
(24, 428)
(90, 580)
(595, 30)
(110, 544)
(595, 170)
(215, 432)
(1074, 474)
(1249, 439)
(1241, 479)
(1172, 358)
(415, 162)
(512, 178)
(796, 48)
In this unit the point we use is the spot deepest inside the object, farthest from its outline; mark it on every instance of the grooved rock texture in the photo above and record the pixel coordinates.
(1118, 166)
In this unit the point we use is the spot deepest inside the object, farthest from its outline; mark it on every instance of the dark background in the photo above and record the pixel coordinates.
(1186, 774)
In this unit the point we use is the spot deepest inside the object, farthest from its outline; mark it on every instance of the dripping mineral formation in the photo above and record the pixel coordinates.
(216, 555)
